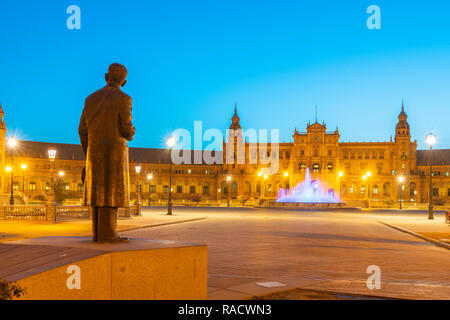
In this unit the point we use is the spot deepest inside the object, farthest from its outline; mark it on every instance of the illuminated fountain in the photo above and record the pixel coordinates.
(307, 194)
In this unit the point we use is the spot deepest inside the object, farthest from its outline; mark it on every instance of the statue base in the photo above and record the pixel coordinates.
(76, 268)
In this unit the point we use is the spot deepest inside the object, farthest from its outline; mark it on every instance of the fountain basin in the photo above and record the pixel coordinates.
(307, 205)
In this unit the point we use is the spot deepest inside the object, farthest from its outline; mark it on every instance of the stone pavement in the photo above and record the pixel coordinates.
(18, 229)
(418, 223)
(327, 251)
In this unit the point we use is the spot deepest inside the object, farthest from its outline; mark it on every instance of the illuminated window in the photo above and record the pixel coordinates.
(152, 189)
(32, 186)
(302, 166)
(375, 189)
(330, 166)
(316, 167)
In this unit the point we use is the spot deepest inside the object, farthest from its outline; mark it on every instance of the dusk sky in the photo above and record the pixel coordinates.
(192, 60)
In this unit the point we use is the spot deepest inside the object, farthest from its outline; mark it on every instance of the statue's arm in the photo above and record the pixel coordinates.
(126, 121)
(83, 133)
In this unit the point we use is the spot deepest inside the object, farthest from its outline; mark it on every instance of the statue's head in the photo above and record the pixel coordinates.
(117, 75)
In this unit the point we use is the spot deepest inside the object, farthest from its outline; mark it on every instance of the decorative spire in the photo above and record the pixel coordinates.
(403, 113)
(316, 113)
(235, 119)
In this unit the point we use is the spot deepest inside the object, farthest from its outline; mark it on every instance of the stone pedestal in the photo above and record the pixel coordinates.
(75, 268)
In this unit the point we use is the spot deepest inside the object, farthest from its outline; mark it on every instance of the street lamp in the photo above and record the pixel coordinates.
(12, 143)
(52, 157)
(23, 167)
(340, 175)
(401, 179)
(171, 142)
(228, 191)
(138, 187)
(431, 139)
(149, 178)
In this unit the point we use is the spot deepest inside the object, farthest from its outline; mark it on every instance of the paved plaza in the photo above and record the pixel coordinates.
(327, 251)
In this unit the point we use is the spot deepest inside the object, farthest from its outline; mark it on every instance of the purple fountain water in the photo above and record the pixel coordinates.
(306, 192)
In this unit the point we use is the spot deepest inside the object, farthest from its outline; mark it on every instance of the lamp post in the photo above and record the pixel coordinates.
(12, 143)
(401, 179)
(228, 191)
(23, 167)
(52, 157)
(430, 140)
(149, 178)
(171, 142)
(366, 178)
(260, 186)
(340, 175)
(9, 170)
(138, 189)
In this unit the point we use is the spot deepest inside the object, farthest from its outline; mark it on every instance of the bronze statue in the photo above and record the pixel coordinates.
(105, 127)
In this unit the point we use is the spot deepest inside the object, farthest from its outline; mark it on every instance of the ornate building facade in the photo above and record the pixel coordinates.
(371, 173)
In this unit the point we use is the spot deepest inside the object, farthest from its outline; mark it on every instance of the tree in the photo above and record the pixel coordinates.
(243, 199)
(153, 198)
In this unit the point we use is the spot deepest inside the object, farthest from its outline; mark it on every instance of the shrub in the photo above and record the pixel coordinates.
(11, 290)
(196, 198)
(439, 202)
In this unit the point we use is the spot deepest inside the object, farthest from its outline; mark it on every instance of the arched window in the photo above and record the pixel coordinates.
(330, 166)
(316, 167)
(302, 166)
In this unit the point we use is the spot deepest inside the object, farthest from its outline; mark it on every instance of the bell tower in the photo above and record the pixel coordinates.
(402, 128)
(405, 150)
(234, 141)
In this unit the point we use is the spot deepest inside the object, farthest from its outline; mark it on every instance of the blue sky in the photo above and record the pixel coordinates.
(192, 60)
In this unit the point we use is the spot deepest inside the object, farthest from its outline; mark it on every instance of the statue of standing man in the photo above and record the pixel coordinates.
(105, 127)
